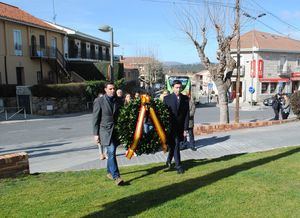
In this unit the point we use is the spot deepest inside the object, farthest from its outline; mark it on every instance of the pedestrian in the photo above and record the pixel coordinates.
(137, 95)
(120, 96)
(178, 105)
(285, 107)
(276, 106)
(127, 99)
(163, 95)
(192, 108)
(105, 113)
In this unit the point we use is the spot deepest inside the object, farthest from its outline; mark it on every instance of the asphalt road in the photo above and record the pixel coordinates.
(79, 125)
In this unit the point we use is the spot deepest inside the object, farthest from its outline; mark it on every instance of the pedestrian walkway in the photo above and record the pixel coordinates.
(216, 145)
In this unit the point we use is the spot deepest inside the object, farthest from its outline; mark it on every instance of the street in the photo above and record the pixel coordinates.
(79, 125)
(66, 143)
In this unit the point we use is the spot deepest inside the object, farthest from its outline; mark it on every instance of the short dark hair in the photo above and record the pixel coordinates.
(175, 82)
(108, 83)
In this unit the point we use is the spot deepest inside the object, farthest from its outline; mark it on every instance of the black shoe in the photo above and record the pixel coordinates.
(169, 165)
(180, 170)
(193, 149)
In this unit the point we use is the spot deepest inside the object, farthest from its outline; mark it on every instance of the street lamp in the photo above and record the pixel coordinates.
(107, 28)
(253, 38)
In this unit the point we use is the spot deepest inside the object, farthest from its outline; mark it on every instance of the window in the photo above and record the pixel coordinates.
(20, 76)
(18, 42)
(39, 77)
(273, 87)
(264, 88)
(42, 41)
(51, 76)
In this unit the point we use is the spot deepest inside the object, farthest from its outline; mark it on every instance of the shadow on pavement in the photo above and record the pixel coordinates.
(210, 141)
(138, 203)
(213, 104)
(37, 147)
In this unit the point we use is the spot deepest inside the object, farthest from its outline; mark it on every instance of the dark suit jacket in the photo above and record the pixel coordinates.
(179, 118)
(105, 116)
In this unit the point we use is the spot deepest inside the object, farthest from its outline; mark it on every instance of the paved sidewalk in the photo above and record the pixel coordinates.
(63, 155)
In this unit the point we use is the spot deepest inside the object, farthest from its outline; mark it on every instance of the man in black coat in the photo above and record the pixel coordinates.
(105, 114)
(178, 105)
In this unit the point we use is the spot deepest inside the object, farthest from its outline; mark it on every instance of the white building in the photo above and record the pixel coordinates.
(269, 63)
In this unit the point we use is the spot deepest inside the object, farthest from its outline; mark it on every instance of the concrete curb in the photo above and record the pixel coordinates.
(211, 128)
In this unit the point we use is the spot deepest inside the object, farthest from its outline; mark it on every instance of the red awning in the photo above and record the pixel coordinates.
(295, 78)
(274, 80)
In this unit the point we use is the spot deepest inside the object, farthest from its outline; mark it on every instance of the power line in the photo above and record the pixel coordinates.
(275, 16)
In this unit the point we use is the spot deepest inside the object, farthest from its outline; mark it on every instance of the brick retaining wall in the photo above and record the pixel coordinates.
(12, 165)
(209, 129)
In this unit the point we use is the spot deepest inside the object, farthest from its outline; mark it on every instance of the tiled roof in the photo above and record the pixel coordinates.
(268, 41)
(132, 62)
(14, 13)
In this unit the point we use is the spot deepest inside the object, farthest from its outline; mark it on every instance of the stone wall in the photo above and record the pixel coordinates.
(50, 106)
(12, 165)
(9, 101)
(212, 128)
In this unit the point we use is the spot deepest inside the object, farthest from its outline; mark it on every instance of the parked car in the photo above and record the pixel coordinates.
(268, 101)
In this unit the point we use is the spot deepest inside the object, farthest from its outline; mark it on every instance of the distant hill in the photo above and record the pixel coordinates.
(171, 63)
(182, 67)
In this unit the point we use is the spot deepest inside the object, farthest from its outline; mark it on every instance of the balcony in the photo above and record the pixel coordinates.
(42, 52)
(284, 71)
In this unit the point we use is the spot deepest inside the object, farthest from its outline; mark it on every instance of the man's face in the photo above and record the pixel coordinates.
(119, 93)
(110, 90)
(177, 89)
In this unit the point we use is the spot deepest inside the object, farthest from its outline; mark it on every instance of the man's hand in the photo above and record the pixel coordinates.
(185, 133)
(97, 139)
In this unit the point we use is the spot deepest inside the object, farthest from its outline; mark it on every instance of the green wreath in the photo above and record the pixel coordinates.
(126, 124)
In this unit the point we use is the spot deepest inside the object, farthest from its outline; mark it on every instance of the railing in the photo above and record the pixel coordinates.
(42, 52)
(9, 115)
(284, 71)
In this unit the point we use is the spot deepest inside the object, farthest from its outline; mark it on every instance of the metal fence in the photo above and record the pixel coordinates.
(10, 113)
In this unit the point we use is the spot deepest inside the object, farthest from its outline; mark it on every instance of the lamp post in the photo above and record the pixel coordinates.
(253, 38)
(107, 28)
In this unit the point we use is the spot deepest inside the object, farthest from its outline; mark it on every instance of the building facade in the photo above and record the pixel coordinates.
(270, 64)
(24, 41)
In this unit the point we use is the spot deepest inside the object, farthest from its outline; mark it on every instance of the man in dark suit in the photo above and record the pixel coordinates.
(178, 105)
(105, 113)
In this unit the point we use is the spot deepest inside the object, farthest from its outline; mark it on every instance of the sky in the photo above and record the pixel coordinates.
(150, 27)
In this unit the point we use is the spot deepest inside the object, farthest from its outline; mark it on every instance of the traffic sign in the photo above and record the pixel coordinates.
(210, 86)
(251, 90)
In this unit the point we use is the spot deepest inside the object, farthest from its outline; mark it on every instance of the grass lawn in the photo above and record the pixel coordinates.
(265, 184)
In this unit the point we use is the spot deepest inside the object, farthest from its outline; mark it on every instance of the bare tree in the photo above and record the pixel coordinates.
(221, 72)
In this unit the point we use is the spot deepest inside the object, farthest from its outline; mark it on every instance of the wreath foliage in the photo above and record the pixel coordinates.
(126, 124)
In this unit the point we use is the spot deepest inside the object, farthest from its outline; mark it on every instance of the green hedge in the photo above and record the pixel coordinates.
(295, 103)
(59, 90)
(8, 90)
(88, 89)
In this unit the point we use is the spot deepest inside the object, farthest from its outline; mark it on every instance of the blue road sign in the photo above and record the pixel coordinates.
(210, 86)
(251, 90)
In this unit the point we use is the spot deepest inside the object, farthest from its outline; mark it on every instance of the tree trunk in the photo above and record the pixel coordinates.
(223, 102)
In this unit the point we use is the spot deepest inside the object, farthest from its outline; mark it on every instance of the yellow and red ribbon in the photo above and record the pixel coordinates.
(145, 101)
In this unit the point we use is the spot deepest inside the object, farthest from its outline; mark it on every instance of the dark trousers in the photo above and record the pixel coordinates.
(174, 152)
(276, 112)
(191, 136)
(284, 115)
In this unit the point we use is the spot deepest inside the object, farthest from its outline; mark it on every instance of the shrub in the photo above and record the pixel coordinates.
(7, 90)
(59, 90)
(295, 103)
(93, 88)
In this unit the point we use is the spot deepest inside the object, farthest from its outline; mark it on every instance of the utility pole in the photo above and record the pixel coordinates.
(238, 63)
